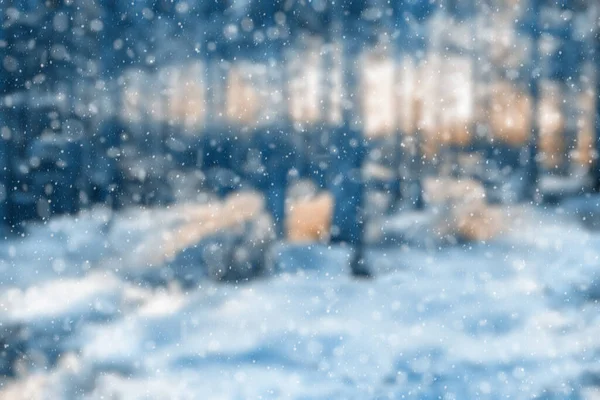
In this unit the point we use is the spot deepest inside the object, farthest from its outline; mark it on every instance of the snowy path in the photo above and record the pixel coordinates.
(517, 318)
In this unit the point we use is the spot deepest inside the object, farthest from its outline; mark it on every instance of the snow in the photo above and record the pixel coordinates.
(158, 110)
(513, 317)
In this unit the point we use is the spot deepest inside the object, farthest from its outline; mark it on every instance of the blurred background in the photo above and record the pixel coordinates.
(299, 199)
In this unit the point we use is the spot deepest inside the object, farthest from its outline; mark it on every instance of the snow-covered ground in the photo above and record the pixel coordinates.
(517, 317)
